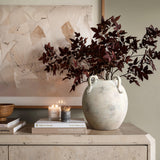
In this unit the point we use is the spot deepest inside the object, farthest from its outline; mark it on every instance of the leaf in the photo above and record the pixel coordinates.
(107, 57)
(137, 83)
(135, 61)
(149, 72)
(145, 68)
(94, 30)
(153, 66)
(122, 32)
(47, 68)
(77, 34)
(73, 88)
(117, 18)
(65, 78)
(140, 76)
(41, 58)
(118, 26)
(145, 76)
(128, 59)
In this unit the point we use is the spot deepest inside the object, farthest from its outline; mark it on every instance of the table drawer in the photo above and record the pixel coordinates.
(78, 152)
(3, 152)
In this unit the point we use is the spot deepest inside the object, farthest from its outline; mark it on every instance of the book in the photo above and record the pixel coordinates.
(12, 129)
(9, 122)
(59, 130)
(73, 123)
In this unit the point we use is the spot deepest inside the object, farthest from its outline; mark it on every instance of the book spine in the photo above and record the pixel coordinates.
(12, 123)
(41, 125)
(12, 130)
(58, 131)
(3, 125)
(16, 121)
(5, 131)
(19, 126)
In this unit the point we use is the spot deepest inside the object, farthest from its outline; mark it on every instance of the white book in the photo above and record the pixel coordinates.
(9, 122)
(13, 129)
(20, 125)
(73, 123)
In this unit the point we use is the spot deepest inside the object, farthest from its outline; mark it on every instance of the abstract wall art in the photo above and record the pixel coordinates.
(24, 30)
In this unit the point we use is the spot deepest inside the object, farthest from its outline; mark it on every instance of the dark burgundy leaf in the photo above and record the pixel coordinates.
(137, 83)
(77, 34)
(117, 18)
(149, 72)
(135, 61)
(94, 30)
(145, 76)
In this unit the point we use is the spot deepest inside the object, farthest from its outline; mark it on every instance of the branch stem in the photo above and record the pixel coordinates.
(114, 73)
(137, 56)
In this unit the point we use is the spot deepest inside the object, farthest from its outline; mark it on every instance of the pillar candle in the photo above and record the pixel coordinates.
(54, 112)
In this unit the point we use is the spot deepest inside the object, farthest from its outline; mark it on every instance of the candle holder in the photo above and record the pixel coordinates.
(65, 113)
(54, 113)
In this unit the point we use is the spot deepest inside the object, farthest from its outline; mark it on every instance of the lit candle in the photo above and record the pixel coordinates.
(54, 112)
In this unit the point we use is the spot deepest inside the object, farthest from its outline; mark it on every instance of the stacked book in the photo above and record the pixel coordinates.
(45, 126)
(11, 125)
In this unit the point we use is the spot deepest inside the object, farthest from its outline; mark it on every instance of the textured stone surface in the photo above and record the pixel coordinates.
(78, 152)
(23, 32)
(127, 141)
(4, 152)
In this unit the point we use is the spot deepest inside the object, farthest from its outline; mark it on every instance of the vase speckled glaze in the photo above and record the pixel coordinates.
(105, 103)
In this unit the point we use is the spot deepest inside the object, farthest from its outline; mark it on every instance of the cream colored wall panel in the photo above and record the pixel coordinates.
(78, 152)
(3, 152)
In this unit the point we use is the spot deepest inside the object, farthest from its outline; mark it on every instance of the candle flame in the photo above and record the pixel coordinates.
(54, 106)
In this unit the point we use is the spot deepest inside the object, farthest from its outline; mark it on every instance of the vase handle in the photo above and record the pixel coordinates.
(117, 81)
(91, 81)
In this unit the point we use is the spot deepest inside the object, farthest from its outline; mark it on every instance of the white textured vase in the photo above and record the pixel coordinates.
(105, 103)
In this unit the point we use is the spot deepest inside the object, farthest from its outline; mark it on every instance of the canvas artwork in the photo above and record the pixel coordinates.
(24, 30)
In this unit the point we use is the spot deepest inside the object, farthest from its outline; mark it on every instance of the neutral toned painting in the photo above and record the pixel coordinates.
(23, 32)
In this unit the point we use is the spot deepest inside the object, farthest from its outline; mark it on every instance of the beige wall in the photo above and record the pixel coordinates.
(144, 101)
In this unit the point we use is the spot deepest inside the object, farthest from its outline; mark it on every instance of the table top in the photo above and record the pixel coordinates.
(125, 129)
(127, 134)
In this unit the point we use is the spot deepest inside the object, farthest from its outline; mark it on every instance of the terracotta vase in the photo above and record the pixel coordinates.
(105, 103)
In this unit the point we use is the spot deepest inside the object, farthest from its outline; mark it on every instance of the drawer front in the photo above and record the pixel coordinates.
(78, 152)
(3, 152)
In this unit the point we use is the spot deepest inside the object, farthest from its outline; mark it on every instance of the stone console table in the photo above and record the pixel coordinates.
(126, 143)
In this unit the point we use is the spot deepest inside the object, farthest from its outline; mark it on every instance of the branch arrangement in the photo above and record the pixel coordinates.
(110, 51)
